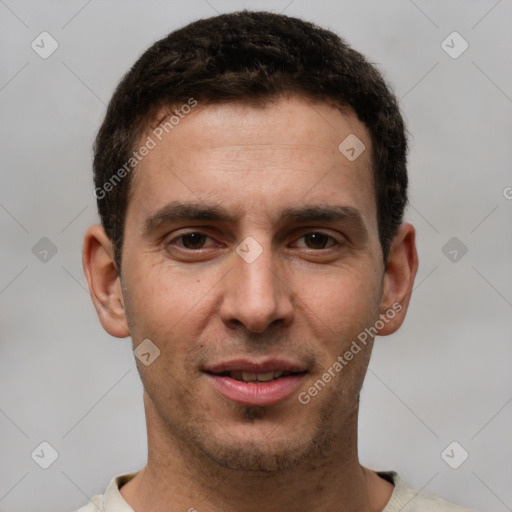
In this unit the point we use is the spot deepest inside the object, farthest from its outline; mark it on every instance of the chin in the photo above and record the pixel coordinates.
(259, 449)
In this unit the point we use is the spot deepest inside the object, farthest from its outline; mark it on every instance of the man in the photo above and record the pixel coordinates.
(251, 180)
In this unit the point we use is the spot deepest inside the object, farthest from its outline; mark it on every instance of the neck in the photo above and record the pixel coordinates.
(180, 477)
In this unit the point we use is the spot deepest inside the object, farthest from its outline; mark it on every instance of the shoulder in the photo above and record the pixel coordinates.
(406, 499)
(111, 500)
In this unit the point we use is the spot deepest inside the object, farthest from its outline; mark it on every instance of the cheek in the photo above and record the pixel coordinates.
(340, 306)
(160, 290)
(169, 307)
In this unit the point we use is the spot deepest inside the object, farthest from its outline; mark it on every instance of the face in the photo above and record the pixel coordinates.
(252, 261)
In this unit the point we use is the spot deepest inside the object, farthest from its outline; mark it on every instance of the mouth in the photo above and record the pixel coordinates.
(257, 384)
(243, 376)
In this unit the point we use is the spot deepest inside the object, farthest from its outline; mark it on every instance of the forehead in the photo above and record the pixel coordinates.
(256, 159)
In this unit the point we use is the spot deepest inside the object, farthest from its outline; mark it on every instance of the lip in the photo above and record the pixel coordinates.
(250, 393)
(256, 394)
(266, 365)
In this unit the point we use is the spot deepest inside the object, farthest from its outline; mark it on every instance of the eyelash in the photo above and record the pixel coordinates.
(183, 235)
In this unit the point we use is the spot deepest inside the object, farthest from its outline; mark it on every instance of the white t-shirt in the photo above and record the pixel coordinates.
(403, 499)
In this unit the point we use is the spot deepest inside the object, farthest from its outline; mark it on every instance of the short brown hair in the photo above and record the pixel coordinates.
(252, 57)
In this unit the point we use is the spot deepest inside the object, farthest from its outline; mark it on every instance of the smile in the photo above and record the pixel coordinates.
(257, 384)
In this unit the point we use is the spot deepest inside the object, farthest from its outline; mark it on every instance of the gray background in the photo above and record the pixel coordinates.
(445, 376)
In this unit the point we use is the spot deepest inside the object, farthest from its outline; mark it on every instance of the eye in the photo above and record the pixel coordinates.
(195, 241)
(318, 240)
(190, 241)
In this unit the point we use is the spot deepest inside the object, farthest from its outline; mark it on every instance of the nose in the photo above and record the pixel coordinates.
(256, 295)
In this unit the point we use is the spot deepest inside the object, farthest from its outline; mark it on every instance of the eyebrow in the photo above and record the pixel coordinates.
(178, 211)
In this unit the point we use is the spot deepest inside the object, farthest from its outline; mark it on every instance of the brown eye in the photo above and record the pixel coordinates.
(193, 240)
(316, 240)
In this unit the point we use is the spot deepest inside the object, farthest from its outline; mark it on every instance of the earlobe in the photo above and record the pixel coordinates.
(104, 283)
(401, 268)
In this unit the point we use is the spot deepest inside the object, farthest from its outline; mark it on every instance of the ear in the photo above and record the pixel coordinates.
(104, 282)
(398, 280)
